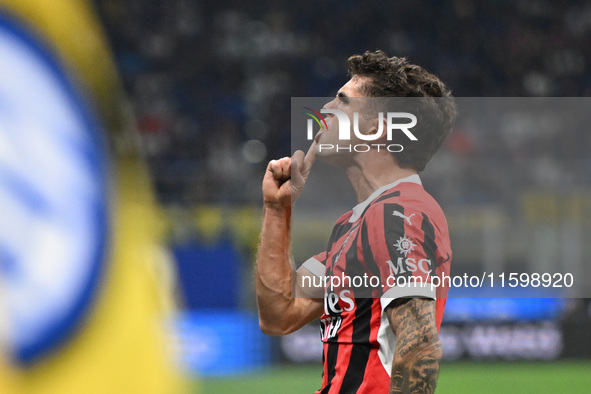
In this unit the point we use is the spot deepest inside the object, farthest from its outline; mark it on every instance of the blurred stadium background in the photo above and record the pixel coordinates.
(210, 85)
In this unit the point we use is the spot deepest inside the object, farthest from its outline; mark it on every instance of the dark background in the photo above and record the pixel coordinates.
(207, 77)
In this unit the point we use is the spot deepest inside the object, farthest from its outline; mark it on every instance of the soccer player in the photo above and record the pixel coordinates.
(376, 338)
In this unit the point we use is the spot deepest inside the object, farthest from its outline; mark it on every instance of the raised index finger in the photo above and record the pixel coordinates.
(309, 158)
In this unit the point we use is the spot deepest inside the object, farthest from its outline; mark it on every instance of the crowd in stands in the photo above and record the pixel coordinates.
(211, 82)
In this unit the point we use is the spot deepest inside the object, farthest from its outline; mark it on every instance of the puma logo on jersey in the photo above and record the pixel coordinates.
(401, 215)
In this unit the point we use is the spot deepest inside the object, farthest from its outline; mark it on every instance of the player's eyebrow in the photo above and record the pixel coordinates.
(344, 98)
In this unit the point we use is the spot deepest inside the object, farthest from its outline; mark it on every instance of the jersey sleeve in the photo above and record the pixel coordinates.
(398, 246)
(316, 264)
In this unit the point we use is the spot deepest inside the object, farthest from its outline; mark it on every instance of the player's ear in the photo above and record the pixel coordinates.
(379, 126)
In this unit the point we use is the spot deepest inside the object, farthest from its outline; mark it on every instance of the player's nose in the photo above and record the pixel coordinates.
(330, 105)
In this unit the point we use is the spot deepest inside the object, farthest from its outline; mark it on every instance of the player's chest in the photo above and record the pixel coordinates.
(342, 252)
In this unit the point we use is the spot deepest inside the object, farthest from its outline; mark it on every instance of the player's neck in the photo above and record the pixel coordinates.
(369, 175)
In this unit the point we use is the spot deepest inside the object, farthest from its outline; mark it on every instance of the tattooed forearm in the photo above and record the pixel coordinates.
(418, 351)
(418, 375)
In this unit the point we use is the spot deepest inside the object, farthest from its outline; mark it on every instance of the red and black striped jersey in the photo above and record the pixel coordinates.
(387, 247)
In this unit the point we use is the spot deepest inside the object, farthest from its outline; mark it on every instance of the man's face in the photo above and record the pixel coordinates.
(348, 101)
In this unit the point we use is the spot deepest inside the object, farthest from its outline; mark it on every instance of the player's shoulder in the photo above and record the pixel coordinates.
(343, 219)
(406, 198)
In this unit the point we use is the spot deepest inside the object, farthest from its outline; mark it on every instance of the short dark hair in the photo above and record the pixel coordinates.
(395, 77)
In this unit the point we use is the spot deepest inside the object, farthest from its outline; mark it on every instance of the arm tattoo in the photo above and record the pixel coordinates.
(418, 351)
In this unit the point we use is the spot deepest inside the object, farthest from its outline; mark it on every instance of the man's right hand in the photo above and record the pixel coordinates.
(285, 178)
(280, 312)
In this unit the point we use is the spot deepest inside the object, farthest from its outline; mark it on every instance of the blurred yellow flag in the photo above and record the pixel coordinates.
(85, 284)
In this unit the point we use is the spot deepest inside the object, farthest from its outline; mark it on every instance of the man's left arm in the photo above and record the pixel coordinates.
(418, 351)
